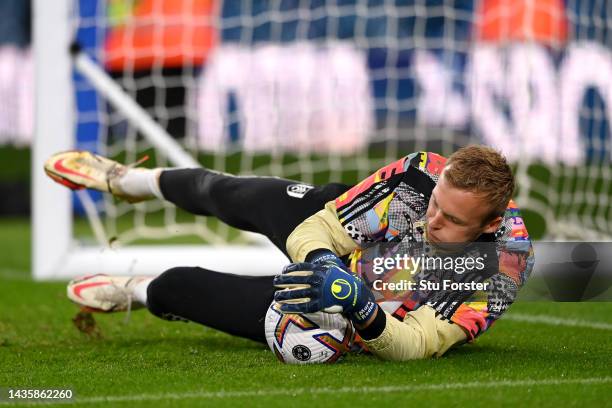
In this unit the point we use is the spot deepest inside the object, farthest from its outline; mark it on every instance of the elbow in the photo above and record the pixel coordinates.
(401, 342)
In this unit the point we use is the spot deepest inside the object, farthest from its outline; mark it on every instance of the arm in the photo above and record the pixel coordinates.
(325, 229)
(319, 231)
(420, 335)
(308, 288)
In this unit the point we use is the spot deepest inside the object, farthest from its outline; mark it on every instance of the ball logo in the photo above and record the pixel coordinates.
(341, 289)
(301, 353)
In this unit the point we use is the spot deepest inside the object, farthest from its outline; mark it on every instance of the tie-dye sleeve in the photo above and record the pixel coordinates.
(515, 262)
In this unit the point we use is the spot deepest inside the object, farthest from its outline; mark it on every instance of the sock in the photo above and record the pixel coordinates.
(141, 183)
(140, 290)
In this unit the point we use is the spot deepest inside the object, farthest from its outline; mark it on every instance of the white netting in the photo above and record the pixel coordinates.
(330, 90)
(16, 95)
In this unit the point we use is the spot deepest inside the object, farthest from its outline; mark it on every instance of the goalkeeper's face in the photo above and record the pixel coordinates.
(457, 216)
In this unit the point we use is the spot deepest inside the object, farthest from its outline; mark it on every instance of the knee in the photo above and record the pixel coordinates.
(209, 182)
(162, 293)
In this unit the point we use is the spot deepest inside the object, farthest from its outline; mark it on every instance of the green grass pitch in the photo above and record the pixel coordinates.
(150, 362)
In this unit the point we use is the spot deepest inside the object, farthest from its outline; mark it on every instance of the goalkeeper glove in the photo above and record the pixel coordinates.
(307, 288)
(325, 257)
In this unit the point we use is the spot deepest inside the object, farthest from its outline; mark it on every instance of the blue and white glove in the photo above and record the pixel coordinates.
(308, 287)
(325, 257)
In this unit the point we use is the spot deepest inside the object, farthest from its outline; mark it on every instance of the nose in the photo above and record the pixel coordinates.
(435, 220)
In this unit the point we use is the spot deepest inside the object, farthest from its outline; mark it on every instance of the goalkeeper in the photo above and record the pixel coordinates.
(423, 198)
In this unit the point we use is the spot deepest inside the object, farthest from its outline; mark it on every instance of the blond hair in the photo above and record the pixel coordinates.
(484, 172)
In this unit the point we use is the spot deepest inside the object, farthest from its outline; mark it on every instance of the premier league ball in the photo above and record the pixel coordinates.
(308, 338)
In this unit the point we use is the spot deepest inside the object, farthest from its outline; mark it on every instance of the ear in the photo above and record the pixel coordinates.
(492, 226)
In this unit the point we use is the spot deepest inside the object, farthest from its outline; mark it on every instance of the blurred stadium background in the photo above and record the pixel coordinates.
(308, 89)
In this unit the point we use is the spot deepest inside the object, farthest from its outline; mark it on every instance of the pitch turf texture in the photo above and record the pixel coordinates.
(549, 354)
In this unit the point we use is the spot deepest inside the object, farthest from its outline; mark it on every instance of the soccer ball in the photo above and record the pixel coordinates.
(307, 338)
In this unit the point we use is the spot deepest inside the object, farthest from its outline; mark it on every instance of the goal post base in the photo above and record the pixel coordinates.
(154, 260)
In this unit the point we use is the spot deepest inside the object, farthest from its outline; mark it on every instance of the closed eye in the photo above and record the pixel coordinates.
(449, 217)
(453, 219)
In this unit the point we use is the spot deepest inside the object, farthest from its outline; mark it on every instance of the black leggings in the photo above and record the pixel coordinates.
(267, 205)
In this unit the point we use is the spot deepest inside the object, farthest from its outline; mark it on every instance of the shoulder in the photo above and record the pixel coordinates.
(426, 162)
(512, 227)
(409, 166)
(429, 163)
(516, 257)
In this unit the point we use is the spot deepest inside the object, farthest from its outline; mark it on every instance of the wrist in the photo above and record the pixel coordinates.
(364, 306)
(324, 256)
(374, 327)
(363, 316)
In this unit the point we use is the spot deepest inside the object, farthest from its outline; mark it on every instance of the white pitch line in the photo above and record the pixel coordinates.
(385, 389)
(556, 321)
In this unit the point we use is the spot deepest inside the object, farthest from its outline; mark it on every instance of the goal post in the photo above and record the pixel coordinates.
(54, 131)
(55, 252)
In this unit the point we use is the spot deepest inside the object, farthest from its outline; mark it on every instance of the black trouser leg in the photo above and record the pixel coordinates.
(231, 303)
(257, 204)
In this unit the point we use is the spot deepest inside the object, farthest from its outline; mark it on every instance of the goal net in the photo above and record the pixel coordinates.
(316, 91)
